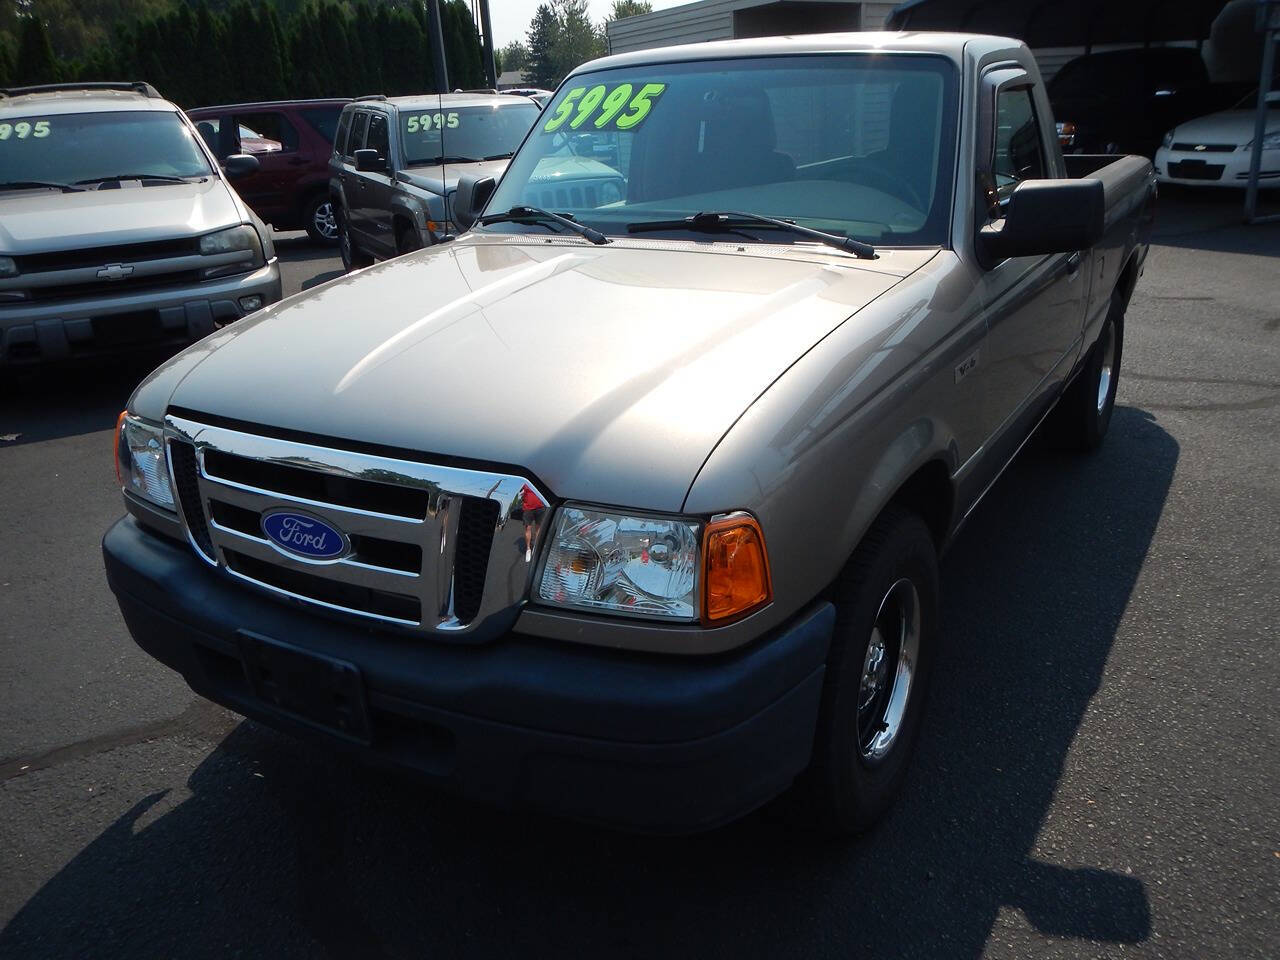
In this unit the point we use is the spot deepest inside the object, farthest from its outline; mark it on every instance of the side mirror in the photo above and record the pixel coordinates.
(239, 165)
(470, 199)
(369, 160)
(1045, 216)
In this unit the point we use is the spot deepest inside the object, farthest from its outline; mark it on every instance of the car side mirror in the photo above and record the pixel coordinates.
(470, 198)
(369, 160)
(1043, 217)
(239, 165)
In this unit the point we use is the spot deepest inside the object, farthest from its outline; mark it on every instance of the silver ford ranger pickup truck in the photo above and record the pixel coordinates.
(630, 509)
(118, 229)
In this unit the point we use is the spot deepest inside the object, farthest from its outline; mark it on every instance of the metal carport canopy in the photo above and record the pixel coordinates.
(1063, 23)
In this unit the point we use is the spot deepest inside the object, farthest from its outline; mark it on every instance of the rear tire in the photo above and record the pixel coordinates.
(319, 221)
(353, 258)
(1083, 414)
(877, 674)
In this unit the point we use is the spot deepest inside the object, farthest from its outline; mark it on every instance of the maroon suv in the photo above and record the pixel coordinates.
(292, 140)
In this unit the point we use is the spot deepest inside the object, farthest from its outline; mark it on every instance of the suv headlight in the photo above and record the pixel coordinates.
(243, 240)
(1168, 140)
(8, 267)
(670, 568)
(142, 466)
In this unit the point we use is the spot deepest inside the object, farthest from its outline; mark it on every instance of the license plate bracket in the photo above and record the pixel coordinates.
(319, 690)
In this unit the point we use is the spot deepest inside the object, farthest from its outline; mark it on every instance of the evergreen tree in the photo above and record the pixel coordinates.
(35, 63)
(8, 69)
(580, 40)
(628, 8)
(544, 36)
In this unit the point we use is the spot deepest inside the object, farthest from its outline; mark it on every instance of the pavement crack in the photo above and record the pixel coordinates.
(200, 718)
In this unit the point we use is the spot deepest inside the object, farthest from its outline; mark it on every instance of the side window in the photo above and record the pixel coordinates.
(323, 120)
(266, 133)
(1019, 155)
(377, 138)
(208, 130)
(358, 126)
(340, 138)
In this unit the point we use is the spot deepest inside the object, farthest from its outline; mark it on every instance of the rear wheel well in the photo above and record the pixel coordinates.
(929, 494)
(1127, 281)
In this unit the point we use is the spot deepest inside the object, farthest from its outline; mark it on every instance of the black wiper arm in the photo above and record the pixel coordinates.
(453, 160)
(501, 156)
(38, 184)
(516, 214)
(718, 222)
(140, 176)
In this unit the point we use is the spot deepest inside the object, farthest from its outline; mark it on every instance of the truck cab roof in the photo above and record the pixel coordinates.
(53, 99)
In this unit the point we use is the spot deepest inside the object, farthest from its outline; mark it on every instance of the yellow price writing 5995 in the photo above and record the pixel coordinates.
(24, 129)
(623, 107)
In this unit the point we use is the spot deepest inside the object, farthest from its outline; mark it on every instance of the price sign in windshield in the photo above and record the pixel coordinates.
(431, 121)
(24, 129)
(599, 108)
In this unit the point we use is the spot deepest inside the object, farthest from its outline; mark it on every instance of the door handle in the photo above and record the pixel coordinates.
(1073, 264)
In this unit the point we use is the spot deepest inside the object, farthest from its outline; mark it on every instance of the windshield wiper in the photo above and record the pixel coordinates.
(452, 160)
(38, 184)
(723, 222)
(501, 156)
(535, 214)
(141, 176)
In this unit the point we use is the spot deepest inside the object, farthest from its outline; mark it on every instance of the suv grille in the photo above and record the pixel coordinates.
(422, 547)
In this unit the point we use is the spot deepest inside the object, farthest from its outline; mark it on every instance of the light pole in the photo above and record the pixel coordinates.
(1269, 23)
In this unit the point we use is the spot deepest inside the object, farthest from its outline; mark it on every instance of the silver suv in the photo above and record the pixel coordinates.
(117, 227)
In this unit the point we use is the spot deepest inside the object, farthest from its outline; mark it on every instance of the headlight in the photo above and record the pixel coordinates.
(642, 566)
(8, 268)
(1271, 141)
(243, 239)
(141, 465)
(671, 568)
(1168, 140)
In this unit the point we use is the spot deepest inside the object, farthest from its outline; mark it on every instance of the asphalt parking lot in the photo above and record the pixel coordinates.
(1098, 773)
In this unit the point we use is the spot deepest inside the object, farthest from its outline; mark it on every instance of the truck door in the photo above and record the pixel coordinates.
(376, 186)
(353, 179)
(1035, 305)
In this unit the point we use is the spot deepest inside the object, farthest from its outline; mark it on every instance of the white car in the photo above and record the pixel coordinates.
(1214, 151)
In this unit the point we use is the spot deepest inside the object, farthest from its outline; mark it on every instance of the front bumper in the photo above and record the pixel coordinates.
(45, 331)
(649, 743)
(1215, 169)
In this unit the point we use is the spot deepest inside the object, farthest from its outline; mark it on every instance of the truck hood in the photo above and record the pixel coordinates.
(607, 372)
(42, 221)
(439, 179)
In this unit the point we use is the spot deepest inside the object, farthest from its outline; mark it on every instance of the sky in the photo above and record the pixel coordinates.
(511, 17)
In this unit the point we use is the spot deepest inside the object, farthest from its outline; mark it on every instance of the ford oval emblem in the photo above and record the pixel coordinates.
(304, 535)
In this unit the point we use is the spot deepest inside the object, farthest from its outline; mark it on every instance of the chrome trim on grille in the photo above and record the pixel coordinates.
(444, 491)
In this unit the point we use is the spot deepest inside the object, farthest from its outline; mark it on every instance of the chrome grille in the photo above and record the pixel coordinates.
(425, 546)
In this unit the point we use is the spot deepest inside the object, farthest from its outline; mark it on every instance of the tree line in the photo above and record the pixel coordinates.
(256, 50)
(561, 36)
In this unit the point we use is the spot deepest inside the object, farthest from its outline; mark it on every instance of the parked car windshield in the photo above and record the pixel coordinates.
(474, 133)
(856, 144)
(77, 147)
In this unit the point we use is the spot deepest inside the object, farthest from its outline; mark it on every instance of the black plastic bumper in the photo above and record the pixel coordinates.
(661, 744)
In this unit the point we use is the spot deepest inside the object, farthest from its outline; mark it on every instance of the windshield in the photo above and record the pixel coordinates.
(856, 144)
(476, 133)
(71, 147)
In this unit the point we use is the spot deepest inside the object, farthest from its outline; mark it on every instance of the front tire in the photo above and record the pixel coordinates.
(877, 673)
(353, 258)
(1083, 414)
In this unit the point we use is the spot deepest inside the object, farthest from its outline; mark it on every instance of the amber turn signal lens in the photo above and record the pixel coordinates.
(735, 567)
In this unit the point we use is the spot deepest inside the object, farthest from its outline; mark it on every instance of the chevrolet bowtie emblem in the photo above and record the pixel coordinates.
(114, 271)
(1200, 146)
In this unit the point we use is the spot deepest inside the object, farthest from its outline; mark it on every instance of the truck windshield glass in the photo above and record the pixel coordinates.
(860, 145)
(473, 133)
(91, 147)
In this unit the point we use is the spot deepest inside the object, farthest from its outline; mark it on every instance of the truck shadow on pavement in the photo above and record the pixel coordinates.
(282, 850)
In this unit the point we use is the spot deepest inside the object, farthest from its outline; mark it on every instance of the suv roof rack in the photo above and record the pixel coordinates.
(371, 96)
(477, 90)
(134, 86)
